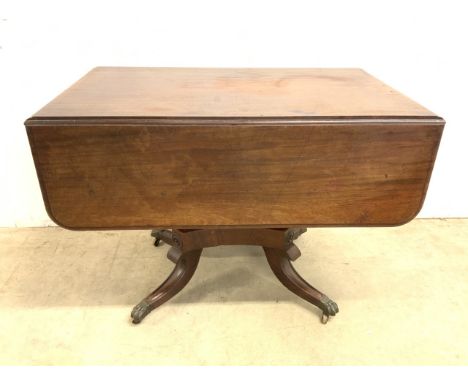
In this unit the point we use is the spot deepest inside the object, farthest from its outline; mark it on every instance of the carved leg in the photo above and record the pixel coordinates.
(180, 276)
(186, 247)
(281, 266)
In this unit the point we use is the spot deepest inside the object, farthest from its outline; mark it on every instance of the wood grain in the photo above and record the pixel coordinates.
(105, 174)
(223, 93)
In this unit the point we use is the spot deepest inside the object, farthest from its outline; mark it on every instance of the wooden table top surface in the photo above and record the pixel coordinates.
(230, 93)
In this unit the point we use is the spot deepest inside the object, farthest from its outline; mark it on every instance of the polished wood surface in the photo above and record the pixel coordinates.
(208, 92)
(144, 176)
(327, 148)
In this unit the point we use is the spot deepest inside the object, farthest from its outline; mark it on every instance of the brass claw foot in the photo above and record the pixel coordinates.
(329, 307)
(140, 311)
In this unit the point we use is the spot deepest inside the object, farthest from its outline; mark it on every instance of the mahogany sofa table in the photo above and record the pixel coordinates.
(207, 157)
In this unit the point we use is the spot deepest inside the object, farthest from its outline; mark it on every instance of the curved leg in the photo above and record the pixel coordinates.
(180, 276)
(281, 266)
(174, 254)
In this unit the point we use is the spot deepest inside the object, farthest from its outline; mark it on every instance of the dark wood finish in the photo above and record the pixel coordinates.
(187, 245)
(199, 148)
(145, 175)
(280, 264)
(185, 268)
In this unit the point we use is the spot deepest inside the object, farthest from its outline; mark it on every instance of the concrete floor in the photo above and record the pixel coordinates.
(65, 298)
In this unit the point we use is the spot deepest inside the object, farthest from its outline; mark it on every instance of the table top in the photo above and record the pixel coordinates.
(230, 93)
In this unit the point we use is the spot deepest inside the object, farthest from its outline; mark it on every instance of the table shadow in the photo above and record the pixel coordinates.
(108, 273)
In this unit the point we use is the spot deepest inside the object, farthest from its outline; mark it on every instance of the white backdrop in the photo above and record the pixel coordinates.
(417, 47)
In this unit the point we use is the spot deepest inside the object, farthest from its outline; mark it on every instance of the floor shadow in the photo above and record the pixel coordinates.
(241, 283)
(99, 269)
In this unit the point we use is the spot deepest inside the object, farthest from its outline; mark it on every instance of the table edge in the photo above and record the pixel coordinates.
(353, 120)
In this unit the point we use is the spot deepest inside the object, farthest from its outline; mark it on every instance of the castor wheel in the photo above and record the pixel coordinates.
(325, 318)
(157, 237)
